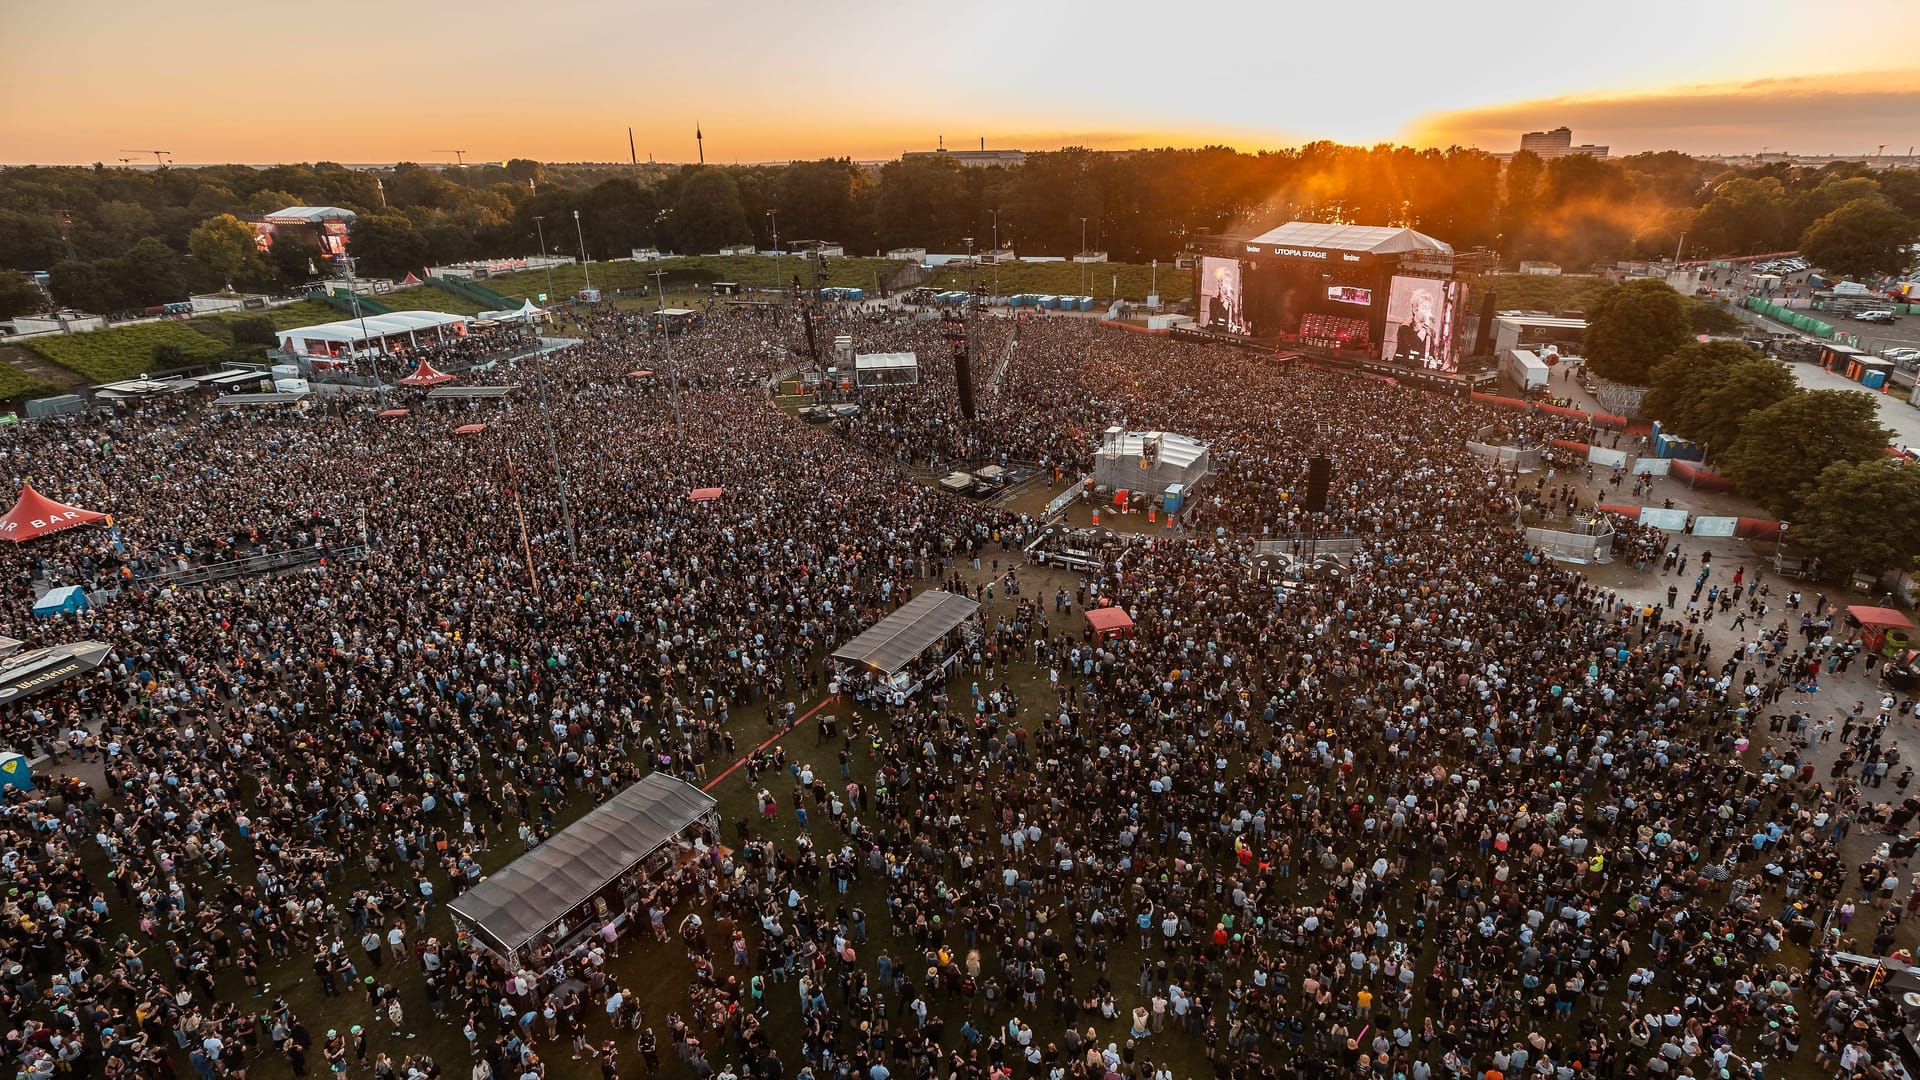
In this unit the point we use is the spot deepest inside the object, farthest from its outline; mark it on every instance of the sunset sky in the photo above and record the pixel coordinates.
(360, 81)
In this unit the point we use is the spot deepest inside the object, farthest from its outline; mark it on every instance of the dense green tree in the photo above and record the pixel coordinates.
(1677, 383)
(1745, 216)
(86, 285)
(823, 200)
(922, 202)
(619, 215)
(387, 245)
(1743, 389)
(707, 213)
(1859, 516)
(1633, 327)
(152, 273)
(225, 253)
(1783, 448)
(1865, 237)
(168, 356)
(1712, 317)
(19, 295)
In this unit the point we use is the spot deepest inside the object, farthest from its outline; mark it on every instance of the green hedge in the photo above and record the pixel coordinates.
(126, 351)
(15, 383)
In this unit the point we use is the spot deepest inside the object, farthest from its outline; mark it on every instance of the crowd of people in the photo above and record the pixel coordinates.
(1463, 814)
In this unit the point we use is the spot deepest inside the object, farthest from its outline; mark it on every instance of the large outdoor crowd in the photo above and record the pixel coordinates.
(1465, 815)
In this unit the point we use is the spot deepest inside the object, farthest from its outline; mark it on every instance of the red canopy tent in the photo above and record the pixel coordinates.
(639, 374)
(1106, 622)
(425, 375)
(707, 494)
(393, 414)
(469, 429)
(1877, 622)
(35, 515)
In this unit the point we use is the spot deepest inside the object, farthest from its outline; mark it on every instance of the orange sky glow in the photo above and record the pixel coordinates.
(869, 79)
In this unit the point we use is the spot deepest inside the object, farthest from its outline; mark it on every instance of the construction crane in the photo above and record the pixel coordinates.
(159, 156)
(459, 157)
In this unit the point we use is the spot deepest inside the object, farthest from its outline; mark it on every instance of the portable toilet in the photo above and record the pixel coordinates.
(1175, 495)
(1050, 302)
(59, 601)
(1086, 303)
(14, 772)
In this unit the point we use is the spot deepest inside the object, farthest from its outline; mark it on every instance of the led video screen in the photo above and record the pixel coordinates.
(1222, 302)
(1420, 330)
(1350, 294)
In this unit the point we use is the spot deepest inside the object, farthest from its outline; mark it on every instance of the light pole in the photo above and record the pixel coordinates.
(537, 224)
(1083, 256)
(996, 251)
(774, 216)
(673, 370)
(584, 269)
(353, 292)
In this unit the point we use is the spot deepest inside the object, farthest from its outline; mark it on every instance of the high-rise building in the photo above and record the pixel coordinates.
(1558, 143)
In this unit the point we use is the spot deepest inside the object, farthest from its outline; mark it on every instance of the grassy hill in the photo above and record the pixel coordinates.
(691, 273)
(1135, 280)
(125, 351)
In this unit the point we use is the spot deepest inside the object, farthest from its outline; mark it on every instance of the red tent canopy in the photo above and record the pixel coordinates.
(640, 374)
(469, 429)
(1107, 621)
(425, 375)
(705, 494)
(35, 515)
(1877, 616)
(393, 414)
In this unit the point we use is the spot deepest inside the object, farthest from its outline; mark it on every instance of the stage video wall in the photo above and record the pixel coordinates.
(1350, 308)
(1222, 300)
(1421, 324)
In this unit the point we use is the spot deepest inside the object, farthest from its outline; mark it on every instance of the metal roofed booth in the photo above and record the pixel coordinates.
(910, 649)
(372, 332)
(886, 369)
(1149, 461)
(589, 872)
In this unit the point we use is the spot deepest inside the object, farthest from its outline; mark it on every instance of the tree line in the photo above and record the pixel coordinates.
(1137, 206)
(1816, 458)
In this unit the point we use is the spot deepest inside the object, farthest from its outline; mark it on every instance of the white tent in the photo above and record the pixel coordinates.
(886, 369)
(526, 310)
(369, 331)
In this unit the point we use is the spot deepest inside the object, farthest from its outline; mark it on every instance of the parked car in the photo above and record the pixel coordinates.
(1876, 315)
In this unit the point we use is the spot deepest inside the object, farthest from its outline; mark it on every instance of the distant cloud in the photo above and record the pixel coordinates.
(1843, 114)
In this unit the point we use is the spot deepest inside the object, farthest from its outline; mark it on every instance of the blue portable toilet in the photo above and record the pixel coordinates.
(1174, 496)
(855, 294)
(1050, 302)
(14, 772)
(1873, 379)
(59, 601)
(1086, 303)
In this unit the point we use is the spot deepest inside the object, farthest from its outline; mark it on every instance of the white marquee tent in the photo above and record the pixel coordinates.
(372, 331)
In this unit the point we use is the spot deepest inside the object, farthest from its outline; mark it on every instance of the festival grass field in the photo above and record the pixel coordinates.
(122, 352)
(1135, 280)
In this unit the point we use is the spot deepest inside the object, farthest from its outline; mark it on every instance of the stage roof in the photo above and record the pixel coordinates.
(890, 645)
(309, 215)
(1358, 239)
(277, 397)
(539, 888)
(387, 324)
